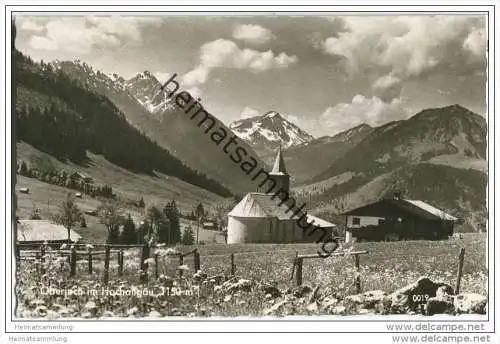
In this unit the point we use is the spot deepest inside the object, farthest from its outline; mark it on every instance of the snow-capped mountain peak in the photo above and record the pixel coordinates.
(147, 90)
(269, 131)
(143, 88)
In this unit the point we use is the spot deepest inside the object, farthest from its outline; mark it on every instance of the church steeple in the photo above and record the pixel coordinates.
(279, 174)
(279, 164)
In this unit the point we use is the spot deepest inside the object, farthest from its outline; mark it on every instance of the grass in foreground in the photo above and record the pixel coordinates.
(388, 266)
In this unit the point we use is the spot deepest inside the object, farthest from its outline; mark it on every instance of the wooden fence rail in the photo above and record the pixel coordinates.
(147, 256)
(298, 265)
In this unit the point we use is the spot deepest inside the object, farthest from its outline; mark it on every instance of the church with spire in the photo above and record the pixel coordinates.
(260, 218)
(279, 174)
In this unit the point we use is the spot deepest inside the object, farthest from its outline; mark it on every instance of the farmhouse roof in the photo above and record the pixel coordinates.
(261, 205)
(385, 208)
(432, 210)
(43, 230)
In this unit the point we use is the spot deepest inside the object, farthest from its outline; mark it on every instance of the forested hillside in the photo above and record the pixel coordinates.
(58, 116)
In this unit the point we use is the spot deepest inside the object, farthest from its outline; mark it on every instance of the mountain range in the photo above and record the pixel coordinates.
(147, 108)
(310, 159)
(438, 155)
(57, 116)
(265, 133)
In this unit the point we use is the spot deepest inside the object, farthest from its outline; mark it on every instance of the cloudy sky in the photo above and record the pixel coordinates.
(325, 74)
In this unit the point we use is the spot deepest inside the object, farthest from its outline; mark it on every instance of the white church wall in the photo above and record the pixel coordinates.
(246, 229)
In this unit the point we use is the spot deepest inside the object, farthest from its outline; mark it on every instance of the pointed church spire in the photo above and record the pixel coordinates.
(279, 164)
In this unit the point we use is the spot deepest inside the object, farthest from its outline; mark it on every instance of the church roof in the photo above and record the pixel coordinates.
(320, 222)
(279, 164)
(261, 205)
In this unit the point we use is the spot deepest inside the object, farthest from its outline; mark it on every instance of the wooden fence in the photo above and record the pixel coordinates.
(90, 252)
(298, 264)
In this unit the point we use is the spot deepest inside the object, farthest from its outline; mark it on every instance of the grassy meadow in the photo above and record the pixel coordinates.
(263, 271)
(388, 266)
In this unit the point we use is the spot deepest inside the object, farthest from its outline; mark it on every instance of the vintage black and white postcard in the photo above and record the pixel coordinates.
(248, 167)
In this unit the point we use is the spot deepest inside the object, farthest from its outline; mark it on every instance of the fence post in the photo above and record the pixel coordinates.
(106, 263)
(89, 254)
(37, 259)
(156, 265)
(358, 277)
(196, 260)
(293, 265)
(42, 259)
(181, 262)
(73, 261)
(120, 262)
(233, 266)
(460, 268)
(144, 264)
(298, 274)
(17, 251)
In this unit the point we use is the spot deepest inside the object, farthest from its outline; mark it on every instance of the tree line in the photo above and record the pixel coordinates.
(58, 116)
(158, 226)
(62, 178)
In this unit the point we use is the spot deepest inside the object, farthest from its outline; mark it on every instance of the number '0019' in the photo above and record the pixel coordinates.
(420, 297)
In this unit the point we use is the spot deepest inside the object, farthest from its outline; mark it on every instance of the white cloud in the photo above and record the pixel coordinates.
(80, 34)
(249, 112)
(43, 43)
(30, 24)
(386, 82)
(372, 111)
(397, 48)
(223, 53)
(476, 42)
(196, 76)
(254, 34)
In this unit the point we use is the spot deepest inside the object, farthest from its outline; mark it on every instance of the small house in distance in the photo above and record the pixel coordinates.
(209, 225)
(36, 232)
(398, 219)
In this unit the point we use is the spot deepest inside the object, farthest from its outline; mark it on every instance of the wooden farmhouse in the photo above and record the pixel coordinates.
(398, 219)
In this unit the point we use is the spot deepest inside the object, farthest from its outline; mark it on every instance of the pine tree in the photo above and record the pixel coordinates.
(188, 237)
(129, 235)
(24, 169)
(141, 203)
(172, 214)
(199, 212)
(158, 225)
